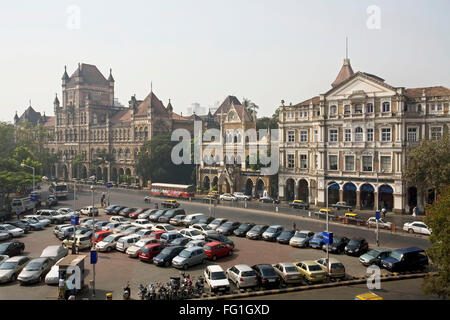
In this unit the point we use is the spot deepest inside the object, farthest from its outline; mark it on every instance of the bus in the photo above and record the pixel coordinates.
(172, 190)
(60, 190)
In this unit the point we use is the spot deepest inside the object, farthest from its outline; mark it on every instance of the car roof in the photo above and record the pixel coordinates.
(213, 243)
(15, 258)
(215, 268)
(309, 262)
(331, 260)
(41, 259)
(243, 267)
(286, 264)
(409, 250)
(276, 226)
(150, 245)
(194, 248)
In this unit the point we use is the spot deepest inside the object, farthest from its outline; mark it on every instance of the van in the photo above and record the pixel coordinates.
(405, 259)
(63, 231)
(192, 218)
(168, 237)
(189, 257)
(21, 205)
(125, 242)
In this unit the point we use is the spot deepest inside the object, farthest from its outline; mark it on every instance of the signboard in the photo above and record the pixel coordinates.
(328, 237)
(33, 197)
(108, 185)
(93, 256)
(377, 215)
(74, 220)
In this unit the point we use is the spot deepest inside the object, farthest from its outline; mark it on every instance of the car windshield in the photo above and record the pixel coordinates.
(337, 266)
(354, 243)
(217, 221)
(218, 275)
(286, 234)
(271, 229)
(300, 235)
(195, 233)
(257, 228)
(145, 250)
(185, 254)
(268, 272)
(336, 240)
(396, 255)
(248, 274)
(243, 226)
(314, 268)
(9, 227)
(8, 265)
(291, 269)
(373, 253)
(227, 224)
(169, 227)
(142, 243)
(169, 213)
(33, 266)
(109, 239)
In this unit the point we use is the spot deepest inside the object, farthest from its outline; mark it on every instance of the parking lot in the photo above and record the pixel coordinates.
(115, 269)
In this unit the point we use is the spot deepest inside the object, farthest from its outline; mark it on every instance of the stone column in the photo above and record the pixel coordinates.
(341, 194)
(375, 201)
(295, 191)
(358, 200)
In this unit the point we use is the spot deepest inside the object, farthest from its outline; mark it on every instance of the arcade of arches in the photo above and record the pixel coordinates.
(100, 172)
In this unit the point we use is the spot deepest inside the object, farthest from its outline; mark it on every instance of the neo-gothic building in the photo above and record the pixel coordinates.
(354, 138)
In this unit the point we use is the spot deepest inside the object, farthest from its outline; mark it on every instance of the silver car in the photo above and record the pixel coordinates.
(54, 252)
(288, 272)
(189, 257)
(35, 270)
(301, 239)
(10, 268)
(109, 243)
(242, 276)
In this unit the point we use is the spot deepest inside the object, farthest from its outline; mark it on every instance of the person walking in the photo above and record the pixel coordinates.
(383, 211)
(414, 213)
(102, 200)
(294, 226)
(74, 247)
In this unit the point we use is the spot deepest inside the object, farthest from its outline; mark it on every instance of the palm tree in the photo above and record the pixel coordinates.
(249, 105)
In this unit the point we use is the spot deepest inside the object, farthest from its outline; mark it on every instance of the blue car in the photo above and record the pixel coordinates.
(405, 259)
(317, 241)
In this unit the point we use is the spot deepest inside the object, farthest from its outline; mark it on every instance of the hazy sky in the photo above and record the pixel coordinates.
(202, 51)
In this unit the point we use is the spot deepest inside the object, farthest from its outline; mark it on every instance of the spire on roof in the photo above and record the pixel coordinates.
(110, 79)
(56, 101)
(16, 118)
(65, 75)
(346, 70)
(169, 107)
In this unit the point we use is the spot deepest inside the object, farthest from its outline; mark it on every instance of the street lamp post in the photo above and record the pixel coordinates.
(24, 165)
(328, 253)
(93, 241)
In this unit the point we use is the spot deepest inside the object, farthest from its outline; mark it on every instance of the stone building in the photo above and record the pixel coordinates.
(353, 138)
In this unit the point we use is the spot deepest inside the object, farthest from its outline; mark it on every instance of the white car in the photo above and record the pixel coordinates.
(216, 278)
(243, 276)
(52, 215)
(3, 257)
(164, 226)
(192, 234)
(52, 276)
(55, 252)
(109, 243)
(110, 226)
(144, 223)
(44, 221)
(417, 227)
(372, 223)
(242, 196)
(89, 211)
(203, 228)
(127, 241)
(118, 219)
(13, 231)
(144, 233)
(227, 197)
(134, 250)
(5, 235)
(10, 269)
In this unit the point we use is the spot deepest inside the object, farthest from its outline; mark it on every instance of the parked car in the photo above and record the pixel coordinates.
(11, 267)
(170, 204)
(311, 271)
(147, 213)
(192, 234)
(217, 222)
(256, 232)
(62, 231)
(110, 226)
(268, 200)
(109, 243)
(125, 242)
(149, 251)
(100, 235)
(374, 256)
(35, 270)
(227, 197)
(299, 204)
(189, 257)
(417, 227)
(143, 223)
(134, 250)
(405, 259)
(5, 236)
(167, 237)
(288, 272)
(82, 241)
(203, 228)
(266, 275)
(89, 211)
(51, 200)
(205, 219)
(341, 205)
(177, 220)
(372, 223)
(242, 276)
(285, 236)
(117, 210)
(44, 221)
(3, 257)
(119, 219)
(164, 226)
(242, 196)
(144, 233)
(216, 279)
(169, 214)
(122, 228)
(132, 230)
(317, 241)
(21, 225)
(228, 227)
(220, 238)
(84, 232)
(196, 243)
(135, 214)
(338, 245)
(126, 212)
(183, 241)
(217, 249)
(164, 258)
(154, 216)
(243, 228)
(272, 233)
(98, 226)
(109, 209)
(157, 234)
(336, 268)
(54, 252)
(11, 230)
(34, 224)
(356, 247)
(11, 249)
(192, 219)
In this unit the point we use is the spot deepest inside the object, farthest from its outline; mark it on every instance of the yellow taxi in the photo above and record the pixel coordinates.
(368, 296)
(311, 271)
(325, 210)
(170, 204)
(351, 215)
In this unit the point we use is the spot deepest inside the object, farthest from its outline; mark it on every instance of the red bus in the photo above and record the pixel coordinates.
(172, 190)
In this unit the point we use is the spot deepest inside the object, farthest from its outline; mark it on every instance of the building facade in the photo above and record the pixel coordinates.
(350, 143)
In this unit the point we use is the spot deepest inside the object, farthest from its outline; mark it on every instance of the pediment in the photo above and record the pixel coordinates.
(360, 88)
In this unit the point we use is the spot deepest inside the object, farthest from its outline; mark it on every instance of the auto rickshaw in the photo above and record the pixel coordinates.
(368, 296)
(351, 215)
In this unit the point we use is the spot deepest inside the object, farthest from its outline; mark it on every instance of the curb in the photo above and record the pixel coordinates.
(356, 280)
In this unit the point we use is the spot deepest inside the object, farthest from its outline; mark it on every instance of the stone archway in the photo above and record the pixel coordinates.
(412, 198)
(84, 173)
(206, 183)
(105, 174)
(290, 185)
(333, 193)
(386, 197)
(215, 184)
(349, 193)
(249, 187)
(367, 196)
(259, 188)
(99, 174)
(303, 192)
(114, 176)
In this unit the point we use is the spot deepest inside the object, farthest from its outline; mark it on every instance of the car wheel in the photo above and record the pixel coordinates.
(185, 267)
(108, 249)
(214, 258)
(410, 231)
(203, 261)
(230, 252)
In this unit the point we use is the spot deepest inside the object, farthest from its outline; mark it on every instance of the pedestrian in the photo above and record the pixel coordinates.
(383, 211)
(294, 226)
(74, 247)
(414, 212)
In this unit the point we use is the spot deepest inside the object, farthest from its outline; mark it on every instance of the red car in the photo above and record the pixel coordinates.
(157, 234)
(127, 211)
(217, 249)
(149, 251)
(135, 214)
(100, 235)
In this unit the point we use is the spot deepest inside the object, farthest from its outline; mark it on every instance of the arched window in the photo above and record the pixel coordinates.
(94, 118)
(127, 154)
(146, 133)
(386, 107)
(120, 154)
(114, 154)
(333, 110)
(359, 134)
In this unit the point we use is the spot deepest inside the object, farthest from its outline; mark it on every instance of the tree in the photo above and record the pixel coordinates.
(438, 219)
(249, 106)
(428, 166)
(268, 122)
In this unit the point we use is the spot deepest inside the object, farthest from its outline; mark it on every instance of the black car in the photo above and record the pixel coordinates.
(11, 249)
(242, 230)
(356, 247)
(183, 241)
(205, 220)
(228, 227)
(20, 224)
(338, 245)
(164, 258)
(110, 209)
(117, 209)
(266, 275)
(285, 236)
(268, 200)
(405, 259)
(256, 232)
(219, 237)
(165, 218)
(155, 216)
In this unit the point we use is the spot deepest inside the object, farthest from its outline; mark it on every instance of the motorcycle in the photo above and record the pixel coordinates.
(127, 292)
(200, 285)
(151, 292)
(142, 292)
